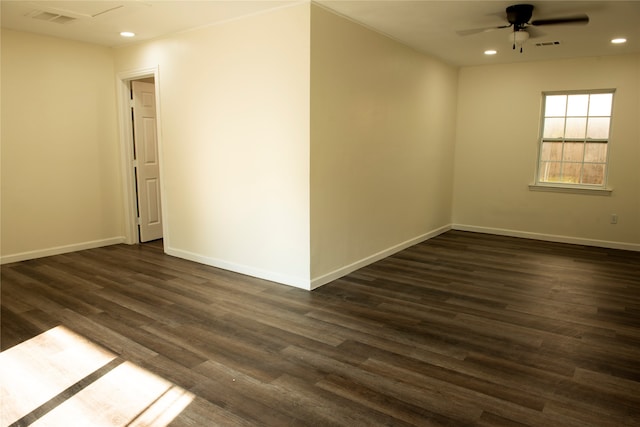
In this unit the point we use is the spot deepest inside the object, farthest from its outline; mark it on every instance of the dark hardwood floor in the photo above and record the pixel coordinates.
(464, 329)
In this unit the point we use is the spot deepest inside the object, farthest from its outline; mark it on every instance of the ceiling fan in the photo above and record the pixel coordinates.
(519, 17)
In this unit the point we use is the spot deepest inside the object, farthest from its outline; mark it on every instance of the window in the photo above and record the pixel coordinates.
(574, 142)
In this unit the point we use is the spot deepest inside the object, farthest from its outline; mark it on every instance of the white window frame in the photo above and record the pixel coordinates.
(564, 187)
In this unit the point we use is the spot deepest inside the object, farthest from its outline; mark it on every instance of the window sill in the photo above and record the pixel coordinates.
(570, 189)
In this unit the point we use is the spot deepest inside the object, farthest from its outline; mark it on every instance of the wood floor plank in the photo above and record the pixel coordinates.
(463, 329)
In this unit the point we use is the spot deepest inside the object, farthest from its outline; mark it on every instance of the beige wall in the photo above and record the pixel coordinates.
(60, 160)
(382, 135)
(298, 146)
(234, 104)
(496, 152)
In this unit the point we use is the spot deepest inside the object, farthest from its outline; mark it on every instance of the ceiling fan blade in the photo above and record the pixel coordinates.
(579, 19)
(480, 30)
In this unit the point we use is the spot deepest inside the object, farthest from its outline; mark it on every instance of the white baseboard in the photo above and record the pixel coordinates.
(39, 253)
(548, 237)
(299, 282)
(343, 271)
(296, 282)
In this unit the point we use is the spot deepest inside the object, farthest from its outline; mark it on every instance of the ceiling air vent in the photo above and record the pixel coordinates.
(51, 17)
(541, 44)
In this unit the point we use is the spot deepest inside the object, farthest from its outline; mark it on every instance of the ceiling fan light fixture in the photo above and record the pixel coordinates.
(619, 40)
(519, 37)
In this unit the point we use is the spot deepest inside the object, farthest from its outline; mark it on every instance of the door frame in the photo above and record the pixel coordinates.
(123, 84)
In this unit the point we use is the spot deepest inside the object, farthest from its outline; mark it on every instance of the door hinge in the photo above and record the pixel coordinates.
(131, 103)
(138, 221)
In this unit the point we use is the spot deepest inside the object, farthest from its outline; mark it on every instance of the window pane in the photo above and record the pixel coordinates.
(600, 104)
(573, 151)
(598, 127)
(575, 134)
(577, 105)
(571, 172)
(553, 128)
(549, 172)
(555, 105)
(593, 174)
(552, 151)
(595, 152)
(576, 127)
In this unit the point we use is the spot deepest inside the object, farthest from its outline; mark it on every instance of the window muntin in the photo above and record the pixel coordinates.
(574, 138)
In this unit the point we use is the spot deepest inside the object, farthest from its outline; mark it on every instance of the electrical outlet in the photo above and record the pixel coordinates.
(614, 219)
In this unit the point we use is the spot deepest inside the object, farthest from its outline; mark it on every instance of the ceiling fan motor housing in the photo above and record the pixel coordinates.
(519, 14)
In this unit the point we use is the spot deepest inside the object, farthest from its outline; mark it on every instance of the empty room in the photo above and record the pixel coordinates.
(349, 213)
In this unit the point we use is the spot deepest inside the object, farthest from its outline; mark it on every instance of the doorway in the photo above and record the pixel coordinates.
(140, 144)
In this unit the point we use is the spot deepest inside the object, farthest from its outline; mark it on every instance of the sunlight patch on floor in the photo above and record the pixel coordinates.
(36, 373)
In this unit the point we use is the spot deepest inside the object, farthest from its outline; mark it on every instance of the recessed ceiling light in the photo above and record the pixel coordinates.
(490, 52)
(619, 40)
(127, 34)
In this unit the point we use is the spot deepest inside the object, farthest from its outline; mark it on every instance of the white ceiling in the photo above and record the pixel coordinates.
(427, 25)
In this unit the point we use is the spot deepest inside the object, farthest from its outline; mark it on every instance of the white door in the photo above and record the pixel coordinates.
(146, 160)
